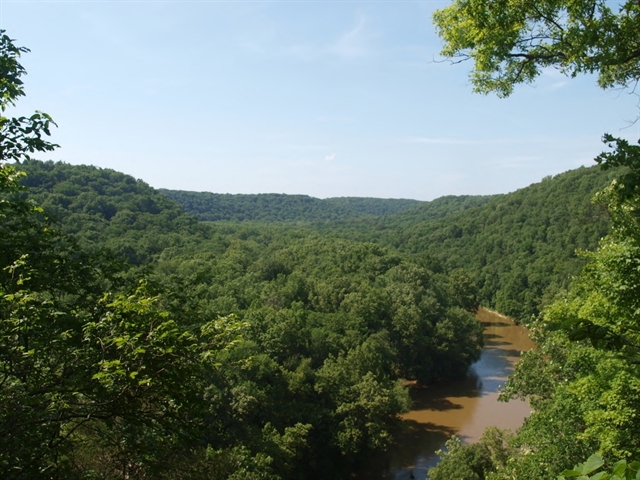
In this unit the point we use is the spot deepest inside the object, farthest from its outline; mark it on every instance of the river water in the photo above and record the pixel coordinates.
(463, 408)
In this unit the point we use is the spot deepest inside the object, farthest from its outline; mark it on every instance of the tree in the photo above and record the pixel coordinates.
(21, 136)
(511, 41)
(620, 471)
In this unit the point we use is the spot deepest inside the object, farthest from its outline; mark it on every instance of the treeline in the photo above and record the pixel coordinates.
(519, 248)
(308, 327)
(281, 345)
(273, 207)
(110, 209)
(582, 380)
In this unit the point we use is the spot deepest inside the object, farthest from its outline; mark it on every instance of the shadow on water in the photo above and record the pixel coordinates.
(441, 397)
(497, 324)
(463, 408)
(407, 457)
(489, 336)
(498, 342)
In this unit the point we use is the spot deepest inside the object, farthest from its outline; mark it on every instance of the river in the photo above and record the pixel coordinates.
(463, 408)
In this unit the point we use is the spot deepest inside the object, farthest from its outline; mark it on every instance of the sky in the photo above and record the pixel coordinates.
(323, 98)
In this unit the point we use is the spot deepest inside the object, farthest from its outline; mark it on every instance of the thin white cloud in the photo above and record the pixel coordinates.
(441, 141)
(311, 163)
(331, 119)
(552, 79)
(453, 178)
(478, 141)
(304, 52)
(559, 85)
(354, 42)
(518, 161)
(303, 163)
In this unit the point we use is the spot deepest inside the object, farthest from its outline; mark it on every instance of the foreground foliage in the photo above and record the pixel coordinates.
(511, 42)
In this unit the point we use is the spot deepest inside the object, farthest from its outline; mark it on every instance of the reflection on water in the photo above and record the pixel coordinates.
(464, 408)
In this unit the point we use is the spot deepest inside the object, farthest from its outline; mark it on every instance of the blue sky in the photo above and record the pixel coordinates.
(324, 98)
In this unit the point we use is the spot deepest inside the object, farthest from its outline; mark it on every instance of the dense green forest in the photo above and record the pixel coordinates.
(305, 337)
(519, 248)
(137, 341)
(291, 307)
(282, 208)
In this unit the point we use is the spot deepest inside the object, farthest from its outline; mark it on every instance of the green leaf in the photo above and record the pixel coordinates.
(571, 473)
(635, 466)
(619, 468)
(593, 463)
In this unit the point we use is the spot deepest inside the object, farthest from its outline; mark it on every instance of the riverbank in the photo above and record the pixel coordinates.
(464, 408)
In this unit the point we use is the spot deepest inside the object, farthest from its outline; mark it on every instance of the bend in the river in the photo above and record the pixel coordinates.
(463, 408)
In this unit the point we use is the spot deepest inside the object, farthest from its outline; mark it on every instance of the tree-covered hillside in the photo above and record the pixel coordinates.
(520, 248)
(582, 380)
(273, 207)
(102, 207)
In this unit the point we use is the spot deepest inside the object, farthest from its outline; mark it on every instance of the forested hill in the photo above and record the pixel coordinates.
(520, 247)
(273, 207)
(102, 207)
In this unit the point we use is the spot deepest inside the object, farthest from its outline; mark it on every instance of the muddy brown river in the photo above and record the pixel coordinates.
(463, 408)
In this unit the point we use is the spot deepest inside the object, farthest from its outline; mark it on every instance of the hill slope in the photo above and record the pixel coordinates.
(103, 207)
(520, 247)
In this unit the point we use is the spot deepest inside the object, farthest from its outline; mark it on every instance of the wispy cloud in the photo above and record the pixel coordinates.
(353, 43)
(552, 79)
(356, 42)
(312, 163)
(304, 162)
(442, 141)
(477, 141)
(518, 161)
(332, 119)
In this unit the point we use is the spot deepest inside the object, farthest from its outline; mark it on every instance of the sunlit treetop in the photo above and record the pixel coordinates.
(512, 41)
(22, 136)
